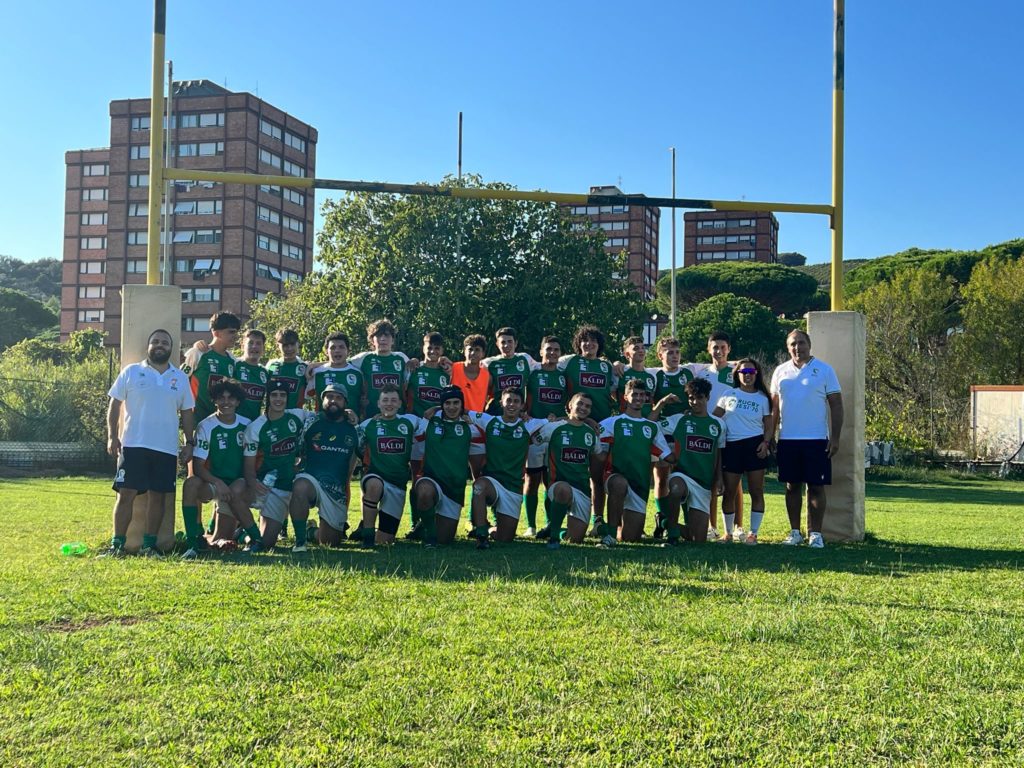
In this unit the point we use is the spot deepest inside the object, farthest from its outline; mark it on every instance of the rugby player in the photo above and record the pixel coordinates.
(380, 366)
(289, 368)
(207, 365)
(545, 396)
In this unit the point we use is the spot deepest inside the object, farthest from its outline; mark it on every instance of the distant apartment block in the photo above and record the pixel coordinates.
(711, 236)
(229, 243)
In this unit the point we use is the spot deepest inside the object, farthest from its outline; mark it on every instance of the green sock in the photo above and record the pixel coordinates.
(429, 519)
(531, 509)
(547, 512)
(557, 514)
(117, 542)
(674, 532)
(193, 526)
(659, 514)
(300, 532)
(414, 514)
(254, 533)
(148, 540)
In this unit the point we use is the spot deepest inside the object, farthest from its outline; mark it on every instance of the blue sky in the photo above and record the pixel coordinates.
(564, 95)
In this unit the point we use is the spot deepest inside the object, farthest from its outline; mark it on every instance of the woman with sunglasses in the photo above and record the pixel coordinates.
(749, 425)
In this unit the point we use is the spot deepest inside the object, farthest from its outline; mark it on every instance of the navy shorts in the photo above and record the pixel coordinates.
(143, 469)
(804, 461)
(740, 456)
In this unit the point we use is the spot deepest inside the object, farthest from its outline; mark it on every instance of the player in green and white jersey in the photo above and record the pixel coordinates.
(251, 374)
(339, 371)
(509, 369)
(330, 451)
(219, 473)
(289, 368)
(381, 366)
(545, 396)
(671, 378)
(207, 365)
(440, 491)
(569, 447)
(587, 371)
(698, 439)
(506, 440)
(272, 445)
(635, 352)
(631, 443)
(387, 440)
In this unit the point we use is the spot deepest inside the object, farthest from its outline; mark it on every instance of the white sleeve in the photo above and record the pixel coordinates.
(252, 436)
(202, 449)
(722, 432)
(480, 419)
(661, 444)
(774, 386)
(186, 400)
(119, 389)
(533, 364)
(832, 382)
(354, 360)
(543, 435)
(605, 430)
(192, 358)
(563, 361)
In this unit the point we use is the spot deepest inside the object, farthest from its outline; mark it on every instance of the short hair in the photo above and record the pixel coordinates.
(551, 340)
(802, 332)
(591, 332)
(256, 333)
(388, 389)
(699, 387)
(511, 391)
(287, 336)
(380, 327)
(630, 341)
(337, 336)
(578, 395)
(635, 385)
(507, 330)
(223, 321)
(230, 386)
(164, 331)
(433, 339)
(475, 340)
(720, 336)
(667, 341)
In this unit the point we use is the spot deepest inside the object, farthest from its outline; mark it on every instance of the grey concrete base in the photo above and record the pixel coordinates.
(838, 338)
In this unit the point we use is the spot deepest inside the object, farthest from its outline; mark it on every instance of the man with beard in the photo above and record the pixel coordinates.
(154, 394)
(330, 452)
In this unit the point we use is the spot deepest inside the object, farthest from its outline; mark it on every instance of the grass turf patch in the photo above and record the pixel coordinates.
(903, 649)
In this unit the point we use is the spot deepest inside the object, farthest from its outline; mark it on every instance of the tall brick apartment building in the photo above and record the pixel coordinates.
(230, 243)
(710, 236)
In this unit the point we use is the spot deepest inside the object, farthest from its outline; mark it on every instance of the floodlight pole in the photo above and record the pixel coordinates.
(156, 141)
(673, 288)
(839, 86)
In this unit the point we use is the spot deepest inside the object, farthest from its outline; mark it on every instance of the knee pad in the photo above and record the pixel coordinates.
(387, 524)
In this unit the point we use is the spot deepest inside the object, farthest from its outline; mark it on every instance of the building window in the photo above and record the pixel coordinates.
(620, 209)
(270, 158)
(260, 295)
(294, 141)
(287, 276)
(91, 267)
(615, 242)
(199, 120)
(204, 266)
(201, 149)
(195, 323)
(265, 214)
(197, 207)
(293, 251)
(139, 152)
(197, 295)
(270, 129)
(138, 237)
(188, 186)
(95, 169)
(292, 169)
(271, 189)
(140, 123)
(92, 291)
(94, 219)
(295, 225)
(93, 243)
(268, 244)
(138, 209)
(138, 180)
(614, 226)
(198, 236)
(267, 271)
(136, 267)
(94, 194)
(294, 197)
(90, 315)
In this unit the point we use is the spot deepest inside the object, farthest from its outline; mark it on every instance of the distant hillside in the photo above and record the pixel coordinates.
(823, 272)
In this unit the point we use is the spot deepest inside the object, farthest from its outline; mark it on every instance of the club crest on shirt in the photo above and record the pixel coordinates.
(648, 432)
(459, 430)
(351, 379)
(403, 428)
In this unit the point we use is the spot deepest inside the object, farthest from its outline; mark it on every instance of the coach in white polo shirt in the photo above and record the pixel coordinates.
(809, 406)
(154, 393)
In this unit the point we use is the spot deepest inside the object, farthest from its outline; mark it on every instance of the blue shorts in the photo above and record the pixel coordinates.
(804, 461)
(143, 469)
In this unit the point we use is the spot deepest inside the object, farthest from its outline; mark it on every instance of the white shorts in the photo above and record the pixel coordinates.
(274, 505)
(580, 506)
(393, 501)
(332, 511)
(446, 507)
(697, 496)
(535, 456)
(633, 501)
(506, 503)
(419, 448)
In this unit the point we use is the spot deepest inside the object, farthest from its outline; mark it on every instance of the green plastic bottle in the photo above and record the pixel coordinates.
(73, 548)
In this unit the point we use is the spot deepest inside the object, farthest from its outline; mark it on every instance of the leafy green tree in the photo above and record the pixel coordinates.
(21, 317)
(792, 259)
(752, 327)
(992, 338)
(784, 290)
(456, 266)
(39, 279)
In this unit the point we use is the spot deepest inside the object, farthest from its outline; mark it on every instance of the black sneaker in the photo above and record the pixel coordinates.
(544, 533)
(113, 552)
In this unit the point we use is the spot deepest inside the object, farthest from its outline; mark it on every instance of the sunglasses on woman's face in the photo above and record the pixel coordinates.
(748, 371)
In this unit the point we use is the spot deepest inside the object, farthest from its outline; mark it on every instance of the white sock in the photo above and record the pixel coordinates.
(755, 521)
(730, 523)
(795, 531)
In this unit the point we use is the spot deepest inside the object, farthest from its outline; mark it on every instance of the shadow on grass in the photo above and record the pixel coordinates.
(967, 492)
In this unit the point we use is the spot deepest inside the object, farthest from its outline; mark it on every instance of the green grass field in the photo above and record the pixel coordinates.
(905, 649)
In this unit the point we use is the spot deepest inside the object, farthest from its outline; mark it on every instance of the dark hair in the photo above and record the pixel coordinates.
(505, 331)
(551, 340)
(635, 385)
(388, 388)
(230, 386)
(667, 341)
(159, 330)
(512, 391)
(222, 321)
(475, 340)
(378, 327)
(579, 394)
(287, 336)
(630, 341)
(434, 339)
(758, 377)
(700, 387)
(720, 336)
(257, 333)
(591, 332)
(337, 336)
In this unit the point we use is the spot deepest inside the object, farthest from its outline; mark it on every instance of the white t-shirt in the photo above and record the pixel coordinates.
(152, 401)
(744, 413)
(721, 381)
(803, 408)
